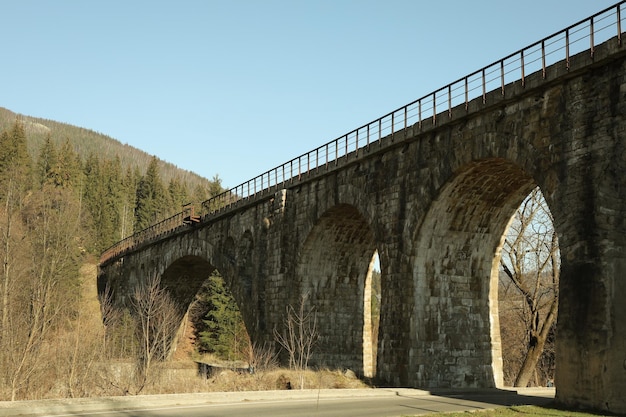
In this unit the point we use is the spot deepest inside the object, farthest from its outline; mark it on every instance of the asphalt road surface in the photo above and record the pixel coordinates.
(378, 404)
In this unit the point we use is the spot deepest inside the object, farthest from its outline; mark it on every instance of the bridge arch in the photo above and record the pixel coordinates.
(456, 275)
(334, 274)
(184, 277)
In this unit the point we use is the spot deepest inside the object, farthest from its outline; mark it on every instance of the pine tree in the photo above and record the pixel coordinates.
(178, 195)
(129, 197)
(111, 201)
(225, 333)
(15, 162)
(151, 203)
(69, 166)
(103, 200)
(46, 163)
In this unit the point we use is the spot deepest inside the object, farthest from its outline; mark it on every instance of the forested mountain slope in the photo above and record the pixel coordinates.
(85, 142)
(118, 189)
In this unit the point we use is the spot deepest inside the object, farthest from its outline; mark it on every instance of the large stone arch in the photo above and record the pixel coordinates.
(333, 266)
(184, 277)
(457, 336)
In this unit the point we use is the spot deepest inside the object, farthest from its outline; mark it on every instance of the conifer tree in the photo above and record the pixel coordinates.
(111, 201)
(46, 163)
(224, 334)
(69, 167)
(101, 199)
(15, 162)
(178, 195)
(151, 202)
(129, 198)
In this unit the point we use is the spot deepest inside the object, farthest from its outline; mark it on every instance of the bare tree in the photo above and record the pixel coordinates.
(300, 336)
(158, 320)
(37, 284)
(260, 357)
(531, 264)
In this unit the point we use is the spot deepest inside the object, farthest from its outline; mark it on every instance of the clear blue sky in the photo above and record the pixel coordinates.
(236, 87)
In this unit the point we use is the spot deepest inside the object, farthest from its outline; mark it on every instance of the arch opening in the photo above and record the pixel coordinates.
(334, 275)
(528, 294)
(211, 320)
(459, 247)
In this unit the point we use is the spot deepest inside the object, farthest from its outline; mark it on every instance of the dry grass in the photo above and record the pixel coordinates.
(183, 377)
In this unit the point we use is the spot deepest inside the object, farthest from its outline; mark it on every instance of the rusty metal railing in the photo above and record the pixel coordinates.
(153, 232)
(561, 46)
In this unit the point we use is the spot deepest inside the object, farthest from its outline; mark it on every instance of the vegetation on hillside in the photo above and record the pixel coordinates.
(85, 142)
(58, 209)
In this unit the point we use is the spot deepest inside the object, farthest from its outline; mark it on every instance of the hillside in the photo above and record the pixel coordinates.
(86, 142)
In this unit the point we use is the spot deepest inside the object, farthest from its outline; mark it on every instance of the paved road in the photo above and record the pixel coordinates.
(327, 403)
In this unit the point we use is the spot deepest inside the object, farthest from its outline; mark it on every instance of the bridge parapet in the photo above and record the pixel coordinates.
(486, 86)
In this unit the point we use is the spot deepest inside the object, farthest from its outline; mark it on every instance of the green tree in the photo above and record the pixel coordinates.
(151, 201)
(68, 167)
(128, 192)
(103, 199)
(178, 195)
(15, 162)
(224, 333)
(46, 163)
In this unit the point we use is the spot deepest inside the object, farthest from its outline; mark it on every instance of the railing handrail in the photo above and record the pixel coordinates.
(386, 125)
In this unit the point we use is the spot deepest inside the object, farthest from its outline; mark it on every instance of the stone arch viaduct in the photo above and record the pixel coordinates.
(432, 187)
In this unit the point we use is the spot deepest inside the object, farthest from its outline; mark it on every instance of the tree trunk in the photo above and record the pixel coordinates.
(535, 347)
(529, 364)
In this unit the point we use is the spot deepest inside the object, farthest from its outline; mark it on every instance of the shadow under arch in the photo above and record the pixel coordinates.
(186, 277)
(333, 272)
(457, 335)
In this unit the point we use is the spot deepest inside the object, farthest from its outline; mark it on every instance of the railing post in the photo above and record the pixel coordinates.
(406, 110)
(619, 24)
(434, 108)
(592, 45)
(543, 59)
(466, 93)
(523, 70)
(419, 111)
(449, 101)
(327, 155)
(502, 76)
(484, 88)
(567, 48)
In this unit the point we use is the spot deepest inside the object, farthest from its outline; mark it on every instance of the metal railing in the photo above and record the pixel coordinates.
(561, 46)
